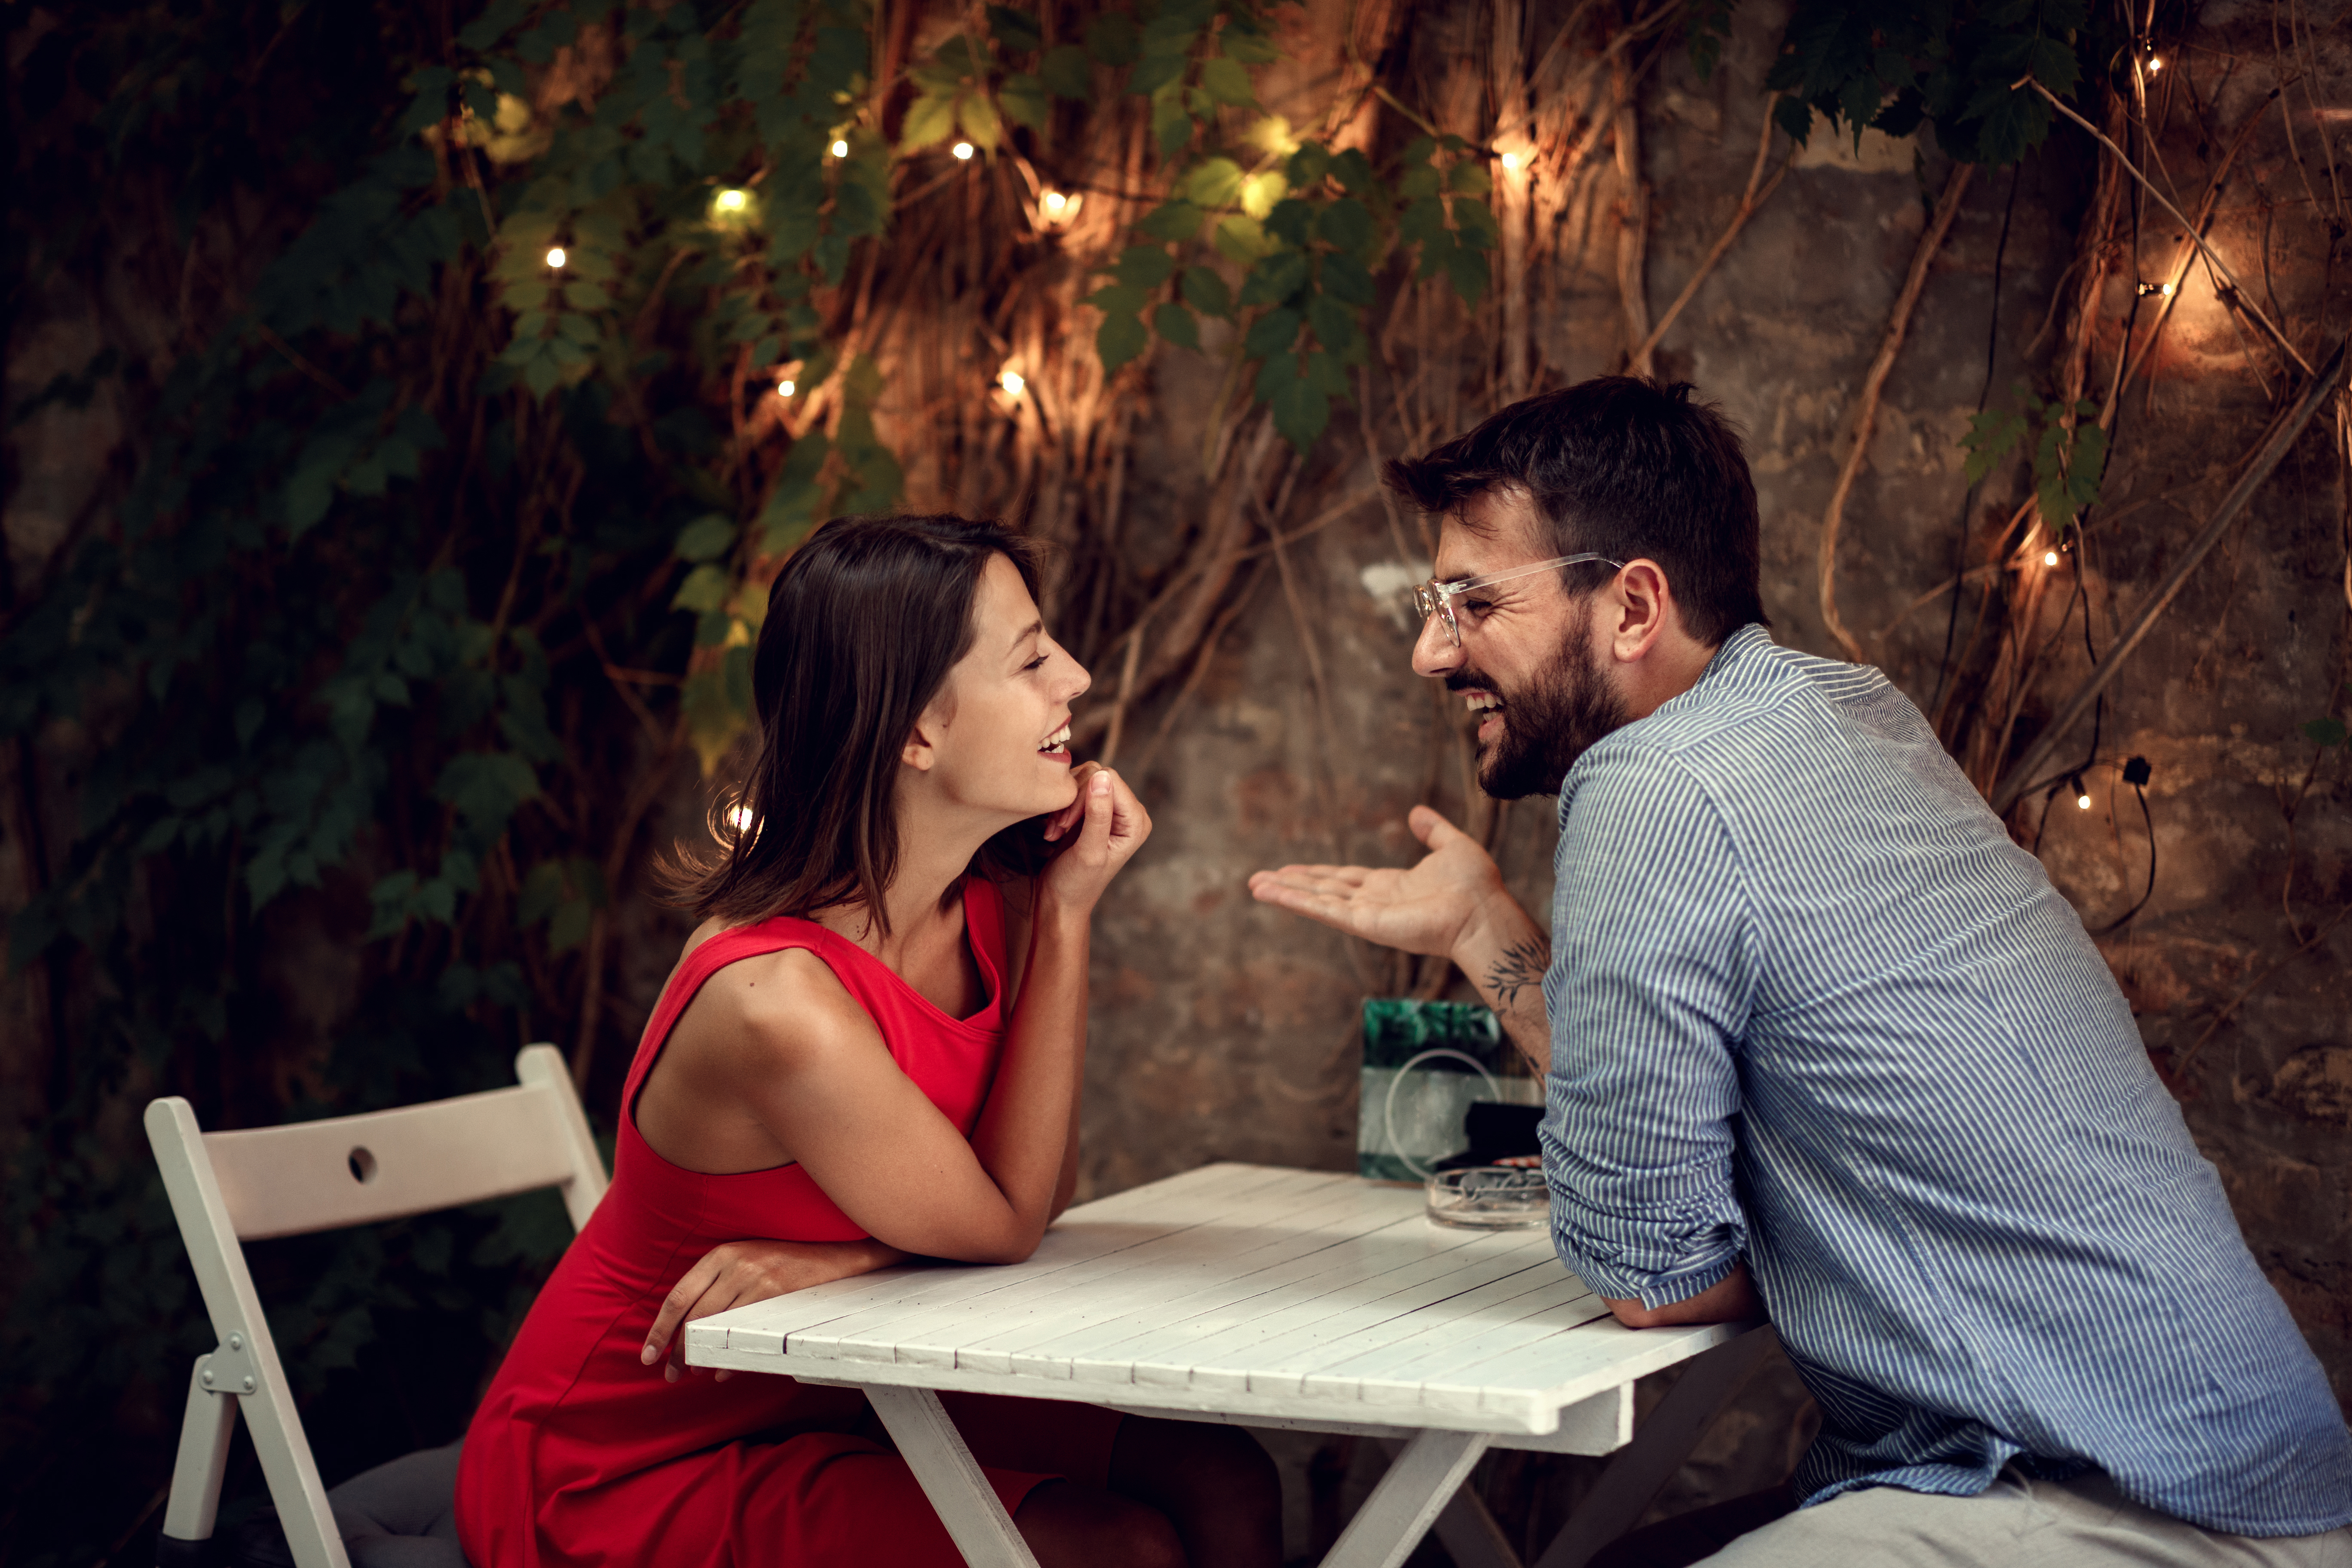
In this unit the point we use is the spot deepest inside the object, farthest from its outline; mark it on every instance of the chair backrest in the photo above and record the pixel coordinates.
(230, 1187)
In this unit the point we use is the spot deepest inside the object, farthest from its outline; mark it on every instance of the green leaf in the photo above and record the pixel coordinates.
(1271, 334)
(1333, 323)
(1119, 299)
(929, 119)
(1175, 325)
(1022, 99)
(1345, 279)
(1475, 224)
(1301, 411)
(1067, 72)
(1227, 81)
(1469, 178)
(1175, 221)
(1212, 182)
(1145, 266)
(1275, 279)
(1346, 224)
(1015, 30)
(1172, 127)
(1206, 292)
(1110, 39)
(704, 590)
(1468, 271)
(2325, 731)
(707, 537)
(1307, 165)
(1118, 340)
(1244, 43)
(1240, 239)
(978, 117)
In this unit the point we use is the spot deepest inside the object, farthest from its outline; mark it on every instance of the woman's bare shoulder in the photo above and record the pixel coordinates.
(783, 1008)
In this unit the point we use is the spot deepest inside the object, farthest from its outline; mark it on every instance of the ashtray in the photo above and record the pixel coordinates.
(1489, 1197)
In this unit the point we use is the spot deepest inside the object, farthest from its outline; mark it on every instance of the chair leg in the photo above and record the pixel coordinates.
(196, 1474)
(276, 1427)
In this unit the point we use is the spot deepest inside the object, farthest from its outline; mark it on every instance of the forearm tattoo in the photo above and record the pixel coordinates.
(1521, 966)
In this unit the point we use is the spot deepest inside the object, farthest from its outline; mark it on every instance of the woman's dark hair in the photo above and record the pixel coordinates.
(864, 623)
(1626, 466)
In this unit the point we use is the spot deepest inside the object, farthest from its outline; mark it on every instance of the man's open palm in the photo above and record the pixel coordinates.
(1426, 909)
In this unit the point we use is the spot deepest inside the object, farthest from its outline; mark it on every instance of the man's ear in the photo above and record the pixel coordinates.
(1645, 603)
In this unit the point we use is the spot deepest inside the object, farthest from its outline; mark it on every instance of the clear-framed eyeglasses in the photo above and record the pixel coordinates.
(1434, 598)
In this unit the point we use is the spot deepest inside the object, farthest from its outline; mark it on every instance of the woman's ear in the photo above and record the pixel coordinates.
(921, 751)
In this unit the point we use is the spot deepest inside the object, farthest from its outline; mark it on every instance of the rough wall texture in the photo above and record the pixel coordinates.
(1225, 1031)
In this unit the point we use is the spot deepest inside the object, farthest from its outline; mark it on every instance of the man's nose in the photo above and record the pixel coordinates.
(1434, 652)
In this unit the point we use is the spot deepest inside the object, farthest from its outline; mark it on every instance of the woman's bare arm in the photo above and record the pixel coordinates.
(813, 1069)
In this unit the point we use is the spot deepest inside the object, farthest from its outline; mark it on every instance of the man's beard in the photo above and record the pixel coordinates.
(1565, 710)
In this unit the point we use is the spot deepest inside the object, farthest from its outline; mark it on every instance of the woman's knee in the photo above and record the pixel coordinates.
(1185, 1460)
(1071, 1526)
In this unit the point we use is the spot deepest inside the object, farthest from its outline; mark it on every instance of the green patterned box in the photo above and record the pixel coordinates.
(1425, 1063)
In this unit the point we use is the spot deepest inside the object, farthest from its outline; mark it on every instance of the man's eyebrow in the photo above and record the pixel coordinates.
(1032, 629)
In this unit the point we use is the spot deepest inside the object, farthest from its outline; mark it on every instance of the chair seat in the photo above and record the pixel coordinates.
(403, 1514)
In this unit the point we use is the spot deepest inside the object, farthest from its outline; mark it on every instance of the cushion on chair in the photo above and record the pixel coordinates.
(398, 1515)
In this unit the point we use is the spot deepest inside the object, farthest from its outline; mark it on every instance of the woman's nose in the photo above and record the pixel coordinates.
(1081, 682)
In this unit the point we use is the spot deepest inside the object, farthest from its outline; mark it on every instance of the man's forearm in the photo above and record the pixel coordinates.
(1505, 954)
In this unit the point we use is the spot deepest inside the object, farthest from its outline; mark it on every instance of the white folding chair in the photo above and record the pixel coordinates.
(232, 1187)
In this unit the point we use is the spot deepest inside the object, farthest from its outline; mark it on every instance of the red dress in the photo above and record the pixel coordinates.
(581, 1456)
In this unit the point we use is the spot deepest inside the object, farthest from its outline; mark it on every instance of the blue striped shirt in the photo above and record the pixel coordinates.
(1812, 1007)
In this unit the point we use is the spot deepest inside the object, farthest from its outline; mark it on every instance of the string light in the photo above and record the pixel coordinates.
(730, 201)
(2155, 64)
(2163, 288)
(1011, 381)
(840, 147)
(2050, 558)
(1515, 162)
(2081, 795)
(555, 257)
(1056, 201)
(740, 819)
(783, 389)
(1055, 208)
(962, 150)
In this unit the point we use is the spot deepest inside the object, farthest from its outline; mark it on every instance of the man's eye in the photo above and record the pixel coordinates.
(1477, 606)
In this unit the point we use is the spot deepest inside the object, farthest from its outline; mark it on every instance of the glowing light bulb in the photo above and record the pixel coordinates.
(1515, 162)
(2155, 64)
(1011, 383)
(740, 819)
(555, 257)
(730, 201)
(840, 147)
(2082, 802)
(1056, 201)
(2050, 558)
(962, 150)
(2164, 289)
(783, 389)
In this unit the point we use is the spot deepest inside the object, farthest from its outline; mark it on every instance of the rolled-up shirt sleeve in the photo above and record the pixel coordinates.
(1649, 990)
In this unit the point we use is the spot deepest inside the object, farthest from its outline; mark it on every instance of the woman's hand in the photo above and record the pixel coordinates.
(1110, 824)
(737, 1273)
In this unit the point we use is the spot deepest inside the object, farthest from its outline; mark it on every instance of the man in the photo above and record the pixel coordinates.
(1822, 1042)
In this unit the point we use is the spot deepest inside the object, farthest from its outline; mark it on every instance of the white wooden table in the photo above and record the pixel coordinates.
(1267, 1298)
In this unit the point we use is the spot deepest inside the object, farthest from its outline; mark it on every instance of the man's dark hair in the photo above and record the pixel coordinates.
(1625, 467)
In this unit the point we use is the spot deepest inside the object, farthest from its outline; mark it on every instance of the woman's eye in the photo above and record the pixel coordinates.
(1037, 663)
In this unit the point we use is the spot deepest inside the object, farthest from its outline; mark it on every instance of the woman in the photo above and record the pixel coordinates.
(871, 1047)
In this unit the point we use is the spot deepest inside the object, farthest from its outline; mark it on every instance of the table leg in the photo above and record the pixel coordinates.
(1465, 1528)
(1642, 1468)
(927, 1440)
(1418, 1485)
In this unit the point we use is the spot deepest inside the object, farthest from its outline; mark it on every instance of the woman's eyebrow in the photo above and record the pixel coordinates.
(1032, 629)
